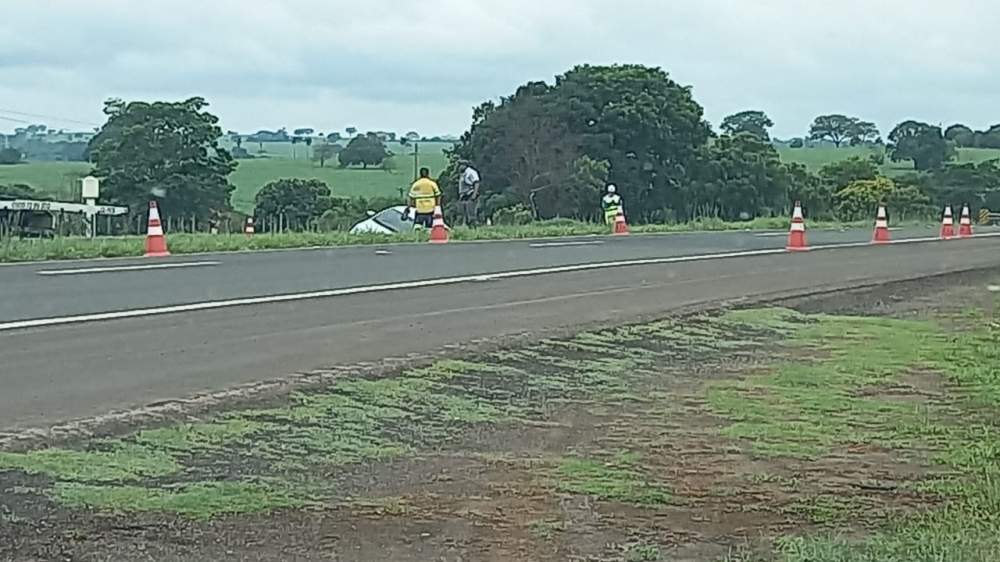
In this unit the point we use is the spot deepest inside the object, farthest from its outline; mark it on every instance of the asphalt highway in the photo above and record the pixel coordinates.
(52, 289)
(70, 370)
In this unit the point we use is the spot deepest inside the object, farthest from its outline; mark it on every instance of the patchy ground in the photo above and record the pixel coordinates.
(745, 435)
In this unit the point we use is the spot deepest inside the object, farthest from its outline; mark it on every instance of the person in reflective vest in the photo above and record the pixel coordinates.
(425, 196)
(611, 203)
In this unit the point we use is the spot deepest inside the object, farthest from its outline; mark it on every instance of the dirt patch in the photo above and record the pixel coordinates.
(946, 294)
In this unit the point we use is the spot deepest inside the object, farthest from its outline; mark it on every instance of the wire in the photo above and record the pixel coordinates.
(51, 117)
(14, 120)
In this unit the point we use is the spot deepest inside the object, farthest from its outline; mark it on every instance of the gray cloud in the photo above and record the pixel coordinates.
(424, 65)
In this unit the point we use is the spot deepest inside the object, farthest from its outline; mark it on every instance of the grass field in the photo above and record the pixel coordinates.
(61, 180)
(743, 436)
(284, 160)
(816, 158)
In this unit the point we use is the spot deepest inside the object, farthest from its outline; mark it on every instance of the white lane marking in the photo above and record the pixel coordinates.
(768, 234)
(561, 244)
(110, 269)
(212, 305)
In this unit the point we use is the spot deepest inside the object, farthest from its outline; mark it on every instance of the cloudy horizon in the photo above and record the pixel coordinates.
(406, 66)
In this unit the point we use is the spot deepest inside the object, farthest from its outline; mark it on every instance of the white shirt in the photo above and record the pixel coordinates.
(469, 179)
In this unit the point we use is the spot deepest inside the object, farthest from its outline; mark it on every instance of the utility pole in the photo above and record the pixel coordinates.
(416, 161)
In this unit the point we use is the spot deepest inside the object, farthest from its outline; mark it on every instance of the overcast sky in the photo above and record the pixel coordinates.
(423, 64)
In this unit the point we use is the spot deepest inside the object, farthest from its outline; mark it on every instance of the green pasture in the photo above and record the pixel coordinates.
(284, 160)
(279, 160)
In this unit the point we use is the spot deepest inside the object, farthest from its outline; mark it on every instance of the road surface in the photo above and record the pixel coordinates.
(52, 289)
(70, 368)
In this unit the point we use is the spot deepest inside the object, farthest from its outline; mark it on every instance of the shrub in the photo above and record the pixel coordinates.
(515, 215)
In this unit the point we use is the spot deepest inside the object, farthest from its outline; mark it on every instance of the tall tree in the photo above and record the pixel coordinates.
(738, 175)
(815, 194)
(835, 128)
(990, 138)
(325, 151)
(753, 122)
(962, 135)
(164, 150)
(838, 175)
(969, 183)
(525, 150)
(299, 201)
(10, 156)
(643, 124)
(364, 150)
(861, 132)
(920, 142)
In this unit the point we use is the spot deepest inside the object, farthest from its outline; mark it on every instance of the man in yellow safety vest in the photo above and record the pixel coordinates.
(425, 195)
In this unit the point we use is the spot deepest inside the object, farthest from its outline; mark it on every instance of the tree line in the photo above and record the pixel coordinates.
(552, 148)
(549, 150)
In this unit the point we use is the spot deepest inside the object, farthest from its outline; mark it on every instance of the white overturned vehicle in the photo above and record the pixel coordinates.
(387, 221)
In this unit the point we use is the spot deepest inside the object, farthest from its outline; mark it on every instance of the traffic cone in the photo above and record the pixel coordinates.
(965, 223)
(881, 227)
(156, 242)
(439, 233)
(797, 234)
(947, 225)
(621, 227)
(249, 229)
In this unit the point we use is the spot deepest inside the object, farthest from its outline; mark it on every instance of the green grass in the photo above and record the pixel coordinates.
(199, 500)
(643, 553)
(61, 179)
(807, 408)
(284, 160)
(835, 389)
(260, 459)
(222, 466)
(251, 175)
(194, 437)
(811, 408)
(816, 158)
(65, 248)
(123, 462)
(618, 480)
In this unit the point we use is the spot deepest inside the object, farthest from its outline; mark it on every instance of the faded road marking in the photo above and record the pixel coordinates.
(562, 244)
(213, 305)
(112, 269)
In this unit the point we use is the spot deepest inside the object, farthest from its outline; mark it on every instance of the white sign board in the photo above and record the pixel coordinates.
(91, 188)
(58, 206)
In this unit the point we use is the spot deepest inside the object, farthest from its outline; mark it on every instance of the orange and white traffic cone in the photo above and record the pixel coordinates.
(797, 234)
(249, 229)
(439, 232)
(965, 224)
(947, 225)
(156, 242)
(621, 227)
(881, 227)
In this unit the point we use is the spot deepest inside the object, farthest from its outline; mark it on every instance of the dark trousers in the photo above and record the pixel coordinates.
(469, 209)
